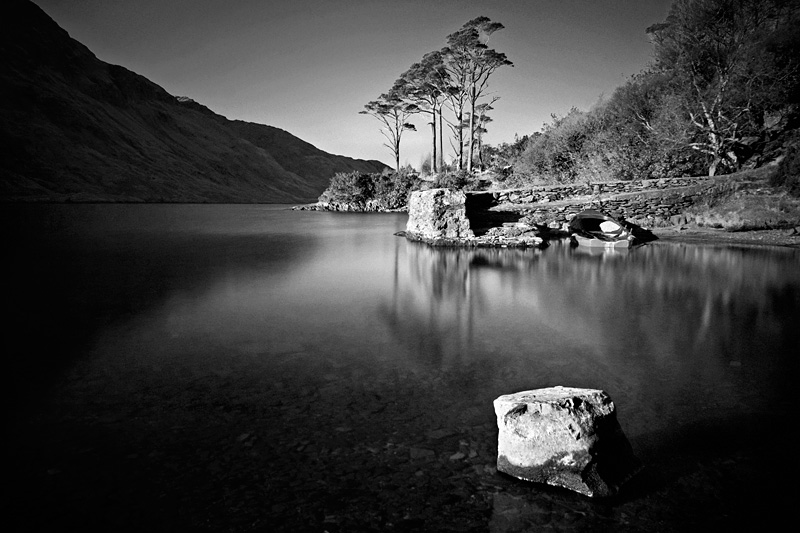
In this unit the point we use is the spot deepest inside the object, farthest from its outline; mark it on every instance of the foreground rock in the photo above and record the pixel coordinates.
(567, 437)
(439, 217)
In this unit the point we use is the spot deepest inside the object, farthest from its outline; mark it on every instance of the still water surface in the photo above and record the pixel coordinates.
(256, 368)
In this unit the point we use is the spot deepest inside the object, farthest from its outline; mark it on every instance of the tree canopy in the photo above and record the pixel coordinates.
(393, 112)
(722, 94)
(721, 56)
(455, 77)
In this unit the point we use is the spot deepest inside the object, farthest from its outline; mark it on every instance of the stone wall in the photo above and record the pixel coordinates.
(552, 193)
(644, 202)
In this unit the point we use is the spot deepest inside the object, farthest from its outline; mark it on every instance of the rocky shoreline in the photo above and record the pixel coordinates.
(672, 235)
(442, 218)
(345, 208)
(521, 236)
(711, 236)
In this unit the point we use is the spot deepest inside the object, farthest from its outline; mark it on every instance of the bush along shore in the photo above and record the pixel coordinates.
(389, 191)
(365, 192)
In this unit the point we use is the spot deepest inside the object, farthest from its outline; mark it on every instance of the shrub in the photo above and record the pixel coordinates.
(392, 190)
(354, 188)
(457, 180)
(743, 211)
(787, 174)
(358, 191)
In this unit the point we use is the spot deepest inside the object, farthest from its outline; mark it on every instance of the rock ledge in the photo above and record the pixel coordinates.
(438, 217)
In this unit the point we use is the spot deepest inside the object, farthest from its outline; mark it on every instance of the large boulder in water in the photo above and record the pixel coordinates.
(562, 436)
(438, 214)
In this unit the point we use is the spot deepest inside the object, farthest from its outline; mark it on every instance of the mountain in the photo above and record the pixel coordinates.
(74, 128)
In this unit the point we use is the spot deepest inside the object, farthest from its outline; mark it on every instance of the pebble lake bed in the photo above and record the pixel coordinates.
(257, 369)
(340, 454)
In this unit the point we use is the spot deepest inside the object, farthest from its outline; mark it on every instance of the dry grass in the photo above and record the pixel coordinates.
(749, 209)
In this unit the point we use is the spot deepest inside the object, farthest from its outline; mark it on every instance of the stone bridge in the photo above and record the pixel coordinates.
(648, 203)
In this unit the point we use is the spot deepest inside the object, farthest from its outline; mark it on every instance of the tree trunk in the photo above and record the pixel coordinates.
(712, 168)
(433, 130)
(461, 141)
(470, 150)
(441, 140)
(480, 151)
(399, 129)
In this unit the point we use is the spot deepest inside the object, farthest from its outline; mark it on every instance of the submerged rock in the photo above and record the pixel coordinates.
(562, 436)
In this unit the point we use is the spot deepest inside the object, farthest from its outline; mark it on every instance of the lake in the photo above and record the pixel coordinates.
(254, 368)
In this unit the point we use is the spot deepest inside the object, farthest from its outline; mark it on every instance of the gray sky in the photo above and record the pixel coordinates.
(309, 66)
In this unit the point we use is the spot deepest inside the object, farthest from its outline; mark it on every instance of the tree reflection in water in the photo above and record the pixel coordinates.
(313, 372)
(670, 331)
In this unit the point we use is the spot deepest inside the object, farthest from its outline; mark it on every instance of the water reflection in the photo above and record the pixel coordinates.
(336, 370)
(662, 328)
(671, 298)
(78, 274)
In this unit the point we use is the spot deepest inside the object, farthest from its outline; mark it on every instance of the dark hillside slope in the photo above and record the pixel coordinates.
(74, 128)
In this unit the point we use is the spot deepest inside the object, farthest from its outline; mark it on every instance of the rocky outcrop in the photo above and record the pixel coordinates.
(439, 217)
(566, 437)
(438, 214)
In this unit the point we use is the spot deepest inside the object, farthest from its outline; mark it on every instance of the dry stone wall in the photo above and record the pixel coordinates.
(551, 193)
(644, 202)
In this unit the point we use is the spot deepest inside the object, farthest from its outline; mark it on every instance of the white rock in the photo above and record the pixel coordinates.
(562, 436)
(438, 214)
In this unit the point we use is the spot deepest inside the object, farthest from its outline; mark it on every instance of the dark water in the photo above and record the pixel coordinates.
(252, 368)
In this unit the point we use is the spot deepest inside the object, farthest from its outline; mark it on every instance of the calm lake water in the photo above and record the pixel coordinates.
(253, 368)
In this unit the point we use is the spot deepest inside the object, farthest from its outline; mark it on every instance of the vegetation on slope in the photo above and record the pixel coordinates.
(359, 191)
(77, 129)
(722, 95)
